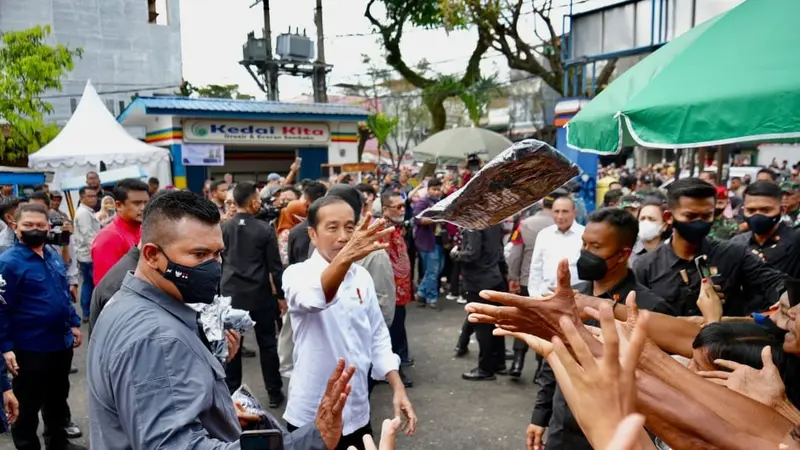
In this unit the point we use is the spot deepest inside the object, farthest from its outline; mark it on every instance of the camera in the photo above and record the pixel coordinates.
(57, 236)
(473, 162)
(268, 212)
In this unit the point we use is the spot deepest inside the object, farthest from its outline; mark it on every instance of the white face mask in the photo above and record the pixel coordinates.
(649, 230)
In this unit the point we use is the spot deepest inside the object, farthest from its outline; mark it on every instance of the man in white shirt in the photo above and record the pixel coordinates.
(335, 314)
(86, 228)
(554, 243)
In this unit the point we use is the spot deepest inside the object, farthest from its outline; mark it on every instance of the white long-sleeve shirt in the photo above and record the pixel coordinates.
(350, 326)
(550, 248)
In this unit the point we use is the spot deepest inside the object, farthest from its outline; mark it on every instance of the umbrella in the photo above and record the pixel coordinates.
(458, 143)
(730, 79)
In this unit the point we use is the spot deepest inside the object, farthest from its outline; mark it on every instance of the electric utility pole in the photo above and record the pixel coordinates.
(320, 68)
(270, 66)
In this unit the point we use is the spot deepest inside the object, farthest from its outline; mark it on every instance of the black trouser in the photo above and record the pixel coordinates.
(518, 344)
(354, 439)
(492, 349)
(397, 333)
(467, 328)
(266, 331)
(42, 384)
(454, 278)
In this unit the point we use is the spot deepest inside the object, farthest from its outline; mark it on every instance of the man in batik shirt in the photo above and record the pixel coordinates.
(394, 211)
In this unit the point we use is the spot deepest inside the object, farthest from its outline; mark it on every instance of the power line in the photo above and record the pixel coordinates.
(121, 91)
(417, 30)
(109, 83)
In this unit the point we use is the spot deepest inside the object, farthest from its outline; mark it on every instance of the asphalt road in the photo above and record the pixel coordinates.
(453, 413)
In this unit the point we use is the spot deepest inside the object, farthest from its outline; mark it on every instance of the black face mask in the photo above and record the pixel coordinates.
(761, 224)
(718, 211)
(693, 232)
(196, 284)
(34, 238)
(592, 267)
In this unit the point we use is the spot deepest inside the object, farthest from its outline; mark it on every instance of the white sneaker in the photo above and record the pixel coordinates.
(461, 300)
(451, 297)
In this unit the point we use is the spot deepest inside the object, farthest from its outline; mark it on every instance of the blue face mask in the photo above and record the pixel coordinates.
(198, 284)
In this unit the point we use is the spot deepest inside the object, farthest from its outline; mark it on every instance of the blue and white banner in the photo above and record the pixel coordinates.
(203, 154)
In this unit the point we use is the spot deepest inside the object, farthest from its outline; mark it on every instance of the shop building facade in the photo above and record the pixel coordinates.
(249, 139)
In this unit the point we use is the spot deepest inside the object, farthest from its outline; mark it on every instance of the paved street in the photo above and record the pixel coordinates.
(454, 414)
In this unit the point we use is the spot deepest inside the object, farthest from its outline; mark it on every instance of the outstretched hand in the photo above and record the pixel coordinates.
(366, 239)
(329, 413)
(764, 386)
(536, 316)
(600, 392)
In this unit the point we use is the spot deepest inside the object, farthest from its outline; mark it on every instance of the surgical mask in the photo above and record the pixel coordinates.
(761, 224)
(591, 267)
(34, 238)
(693, 232)
(196, 284)
(649, 230)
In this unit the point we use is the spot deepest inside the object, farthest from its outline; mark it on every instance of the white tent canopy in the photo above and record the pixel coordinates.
(93, 135)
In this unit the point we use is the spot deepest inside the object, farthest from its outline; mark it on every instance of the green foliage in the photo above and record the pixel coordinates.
(185, 90)
(424, 13)
(28, 68)
(477, 97)
(381, 126)
(222, 91)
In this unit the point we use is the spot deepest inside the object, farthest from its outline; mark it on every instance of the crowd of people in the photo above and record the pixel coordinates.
(660, 320)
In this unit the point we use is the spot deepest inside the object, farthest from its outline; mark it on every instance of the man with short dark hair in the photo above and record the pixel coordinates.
(116, 238)
(608, 240)
(8, 207)
(154, 382)
(217, 193)
(767, 174)
(38, 330)
(251, 257)
(93, 181)
(671, 271)
(153, 184)
(86, 228)
(775, 242)
(335, 313)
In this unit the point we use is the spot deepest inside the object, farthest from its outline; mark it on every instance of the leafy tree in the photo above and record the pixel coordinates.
(28, 68)
(502, 19)
(427, 14)
(381, 126)
(402, 101)
(478, 97)
(185, 90)
(222, 91)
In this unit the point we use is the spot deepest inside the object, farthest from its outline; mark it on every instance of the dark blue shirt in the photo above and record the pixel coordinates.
(36, 313)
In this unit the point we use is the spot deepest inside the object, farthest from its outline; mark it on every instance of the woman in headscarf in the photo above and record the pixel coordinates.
(294, 213)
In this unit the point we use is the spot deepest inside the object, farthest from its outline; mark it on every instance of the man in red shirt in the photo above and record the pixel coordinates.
(394, 212)
(117, 238)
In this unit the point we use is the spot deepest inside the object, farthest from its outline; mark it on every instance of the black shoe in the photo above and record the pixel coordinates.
(73, 370)
(407, 382)
(407, 363)
(461, 351)
(517, 365)
(509, 355)
(501, 370)
(477, 374)
(435, 306)
(72, 430)
(276, 399)
(247, 353)
(421, 302)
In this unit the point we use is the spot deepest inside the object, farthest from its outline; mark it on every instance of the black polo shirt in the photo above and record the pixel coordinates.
(551, 409)
(732, 266)
(781, 251)
(645, 298)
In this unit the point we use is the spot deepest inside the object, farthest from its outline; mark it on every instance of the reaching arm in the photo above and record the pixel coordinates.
(274, 263)
(470, 249)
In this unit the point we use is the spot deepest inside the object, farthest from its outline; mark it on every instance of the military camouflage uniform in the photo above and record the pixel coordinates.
(723, 229)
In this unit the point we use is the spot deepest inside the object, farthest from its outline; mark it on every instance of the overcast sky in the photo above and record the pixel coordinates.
(213, 35)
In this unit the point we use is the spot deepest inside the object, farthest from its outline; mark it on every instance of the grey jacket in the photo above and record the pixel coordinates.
(519, 259)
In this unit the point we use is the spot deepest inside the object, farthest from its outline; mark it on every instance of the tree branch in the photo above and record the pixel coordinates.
(391, 35)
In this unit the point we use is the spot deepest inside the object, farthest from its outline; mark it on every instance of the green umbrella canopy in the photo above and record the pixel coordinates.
(734, 78)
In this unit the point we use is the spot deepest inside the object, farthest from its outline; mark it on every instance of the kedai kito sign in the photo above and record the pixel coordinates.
(255, 133)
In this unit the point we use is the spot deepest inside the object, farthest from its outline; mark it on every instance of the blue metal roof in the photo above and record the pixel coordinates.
(211, 105)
